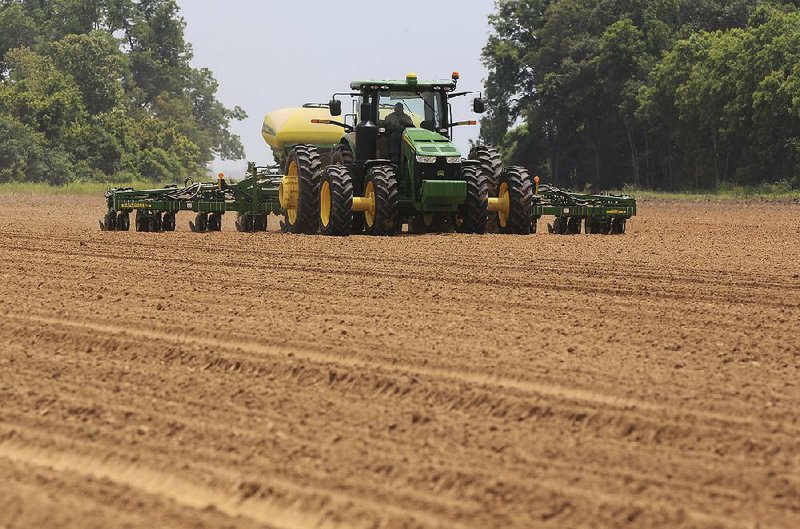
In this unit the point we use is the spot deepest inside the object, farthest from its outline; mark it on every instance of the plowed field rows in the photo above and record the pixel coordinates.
(268, 380)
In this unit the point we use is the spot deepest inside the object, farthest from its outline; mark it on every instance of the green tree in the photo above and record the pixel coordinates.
(725, 103)
(25, 155)
(98, 66)
(39, 95)
(17, 30)
(105, 87)
(651, 92)
(159, 54)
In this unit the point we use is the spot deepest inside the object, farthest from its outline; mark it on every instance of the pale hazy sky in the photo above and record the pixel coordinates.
(273, 54)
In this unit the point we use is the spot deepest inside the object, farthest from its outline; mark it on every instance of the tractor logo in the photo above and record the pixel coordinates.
(266, 129)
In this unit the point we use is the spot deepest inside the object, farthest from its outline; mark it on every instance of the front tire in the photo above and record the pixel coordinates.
(336, 201)
(474, 213)
(381, 187)
(343, 155)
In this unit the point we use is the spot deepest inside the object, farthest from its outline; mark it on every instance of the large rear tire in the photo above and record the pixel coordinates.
(518, 185)
(474, 213)
(304, 163)
(336, 201)
(381, 187)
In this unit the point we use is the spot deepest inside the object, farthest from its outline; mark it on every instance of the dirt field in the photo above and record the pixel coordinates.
(234, 380)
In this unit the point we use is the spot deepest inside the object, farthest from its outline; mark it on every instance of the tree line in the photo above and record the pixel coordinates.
(661, 94)
(103, 90)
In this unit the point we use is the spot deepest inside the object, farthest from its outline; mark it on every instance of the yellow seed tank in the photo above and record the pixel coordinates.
(289, 126)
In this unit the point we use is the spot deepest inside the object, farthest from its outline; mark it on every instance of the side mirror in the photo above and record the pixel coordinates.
(335, 107)
(478, 105)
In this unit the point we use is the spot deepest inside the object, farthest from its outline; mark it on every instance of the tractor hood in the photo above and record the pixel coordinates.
(427, 143)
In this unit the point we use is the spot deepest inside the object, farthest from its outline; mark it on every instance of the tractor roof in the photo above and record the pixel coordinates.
(404, 84)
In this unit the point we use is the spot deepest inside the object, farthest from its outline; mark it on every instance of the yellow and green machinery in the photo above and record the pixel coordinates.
(380, 175)
(253, 199)
(367, 172)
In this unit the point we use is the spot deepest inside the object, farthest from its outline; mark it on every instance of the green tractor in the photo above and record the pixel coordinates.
(395, 164)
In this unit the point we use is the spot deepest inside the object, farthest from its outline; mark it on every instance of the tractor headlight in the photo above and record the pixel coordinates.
(453, 159)
(426, 159)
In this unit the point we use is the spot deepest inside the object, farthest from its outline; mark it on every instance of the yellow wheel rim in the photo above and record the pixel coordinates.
(369, 194)
(325, 203)
(502, 213)
(291, 213)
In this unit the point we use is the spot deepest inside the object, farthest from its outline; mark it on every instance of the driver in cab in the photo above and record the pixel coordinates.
(396, 123)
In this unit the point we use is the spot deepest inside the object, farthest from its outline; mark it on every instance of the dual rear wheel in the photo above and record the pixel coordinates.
(339, 208)
(514, 202)
(204, 222)
(510, 191)
(299, 190)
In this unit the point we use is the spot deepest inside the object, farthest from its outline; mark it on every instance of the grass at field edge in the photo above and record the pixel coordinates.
(75, 188)
(738, 196)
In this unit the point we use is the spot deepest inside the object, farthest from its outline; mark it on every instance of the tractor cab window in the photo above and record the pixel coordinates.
(422, 107)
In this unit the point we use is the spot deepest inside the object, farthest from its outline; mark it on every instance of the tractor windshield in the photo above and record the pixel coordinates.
(423, 107)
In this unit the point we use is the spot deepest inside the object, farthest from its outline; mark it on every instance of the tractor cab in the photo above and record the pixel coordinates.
(424, 105)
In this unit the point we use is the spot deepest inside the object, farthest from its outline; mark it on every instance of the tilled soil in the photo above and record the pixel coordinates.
(290, 382)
